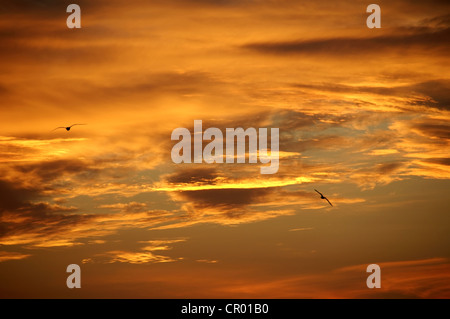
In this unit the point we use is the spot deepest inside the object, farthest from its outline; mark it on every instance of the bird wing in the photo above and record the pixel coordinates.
(329, 202)
(76, 124)
(58, 128)
(318, 192)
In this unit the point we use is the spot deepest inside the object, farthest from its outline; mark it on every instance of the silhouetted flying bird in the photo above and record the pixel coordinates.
(67, 127)
(323, 197)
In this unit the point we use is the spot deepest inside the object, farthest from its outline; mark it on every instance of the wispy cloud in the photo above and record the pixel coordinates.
(404, 279)
(5, 256)
(145, 255)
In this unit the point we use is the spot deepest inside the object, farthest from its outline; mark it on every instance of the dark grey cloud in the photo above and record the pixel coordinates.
(161, 83)
(437, 90)
(323, 141)
(131, 91)
(28, 213)
(225, 198)
(43, 37)
(133, 207)
(61, 176)
(293, 120)
(201, 175)
(428, 41)
(46, 8)
(48, 171)
(442, 21)
(28, 219)
(434, 128)
(13, 196)
(388, 168)
(441, 161)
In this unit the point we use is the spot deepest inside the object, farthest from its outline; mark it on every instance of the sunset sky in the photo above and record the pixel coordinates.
(363, 116)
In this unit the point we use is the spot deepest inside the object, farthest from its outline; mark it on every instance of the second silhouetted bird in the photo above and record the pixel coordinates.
(323, 197)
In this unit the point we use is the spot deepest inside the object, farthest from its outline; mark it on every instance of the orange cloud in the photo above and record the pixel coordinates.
(428, 278)
(5, 256)
(146, 255)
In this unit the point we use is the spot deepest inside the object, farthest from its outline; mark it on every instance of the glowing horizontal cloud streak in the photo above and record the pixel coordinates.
(5, 256)
(243, 184)
(145, 255)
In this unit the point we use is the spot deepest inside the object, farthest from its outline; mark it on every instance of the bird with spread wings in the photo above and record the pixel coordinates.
(323, 197)
(67, 127)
